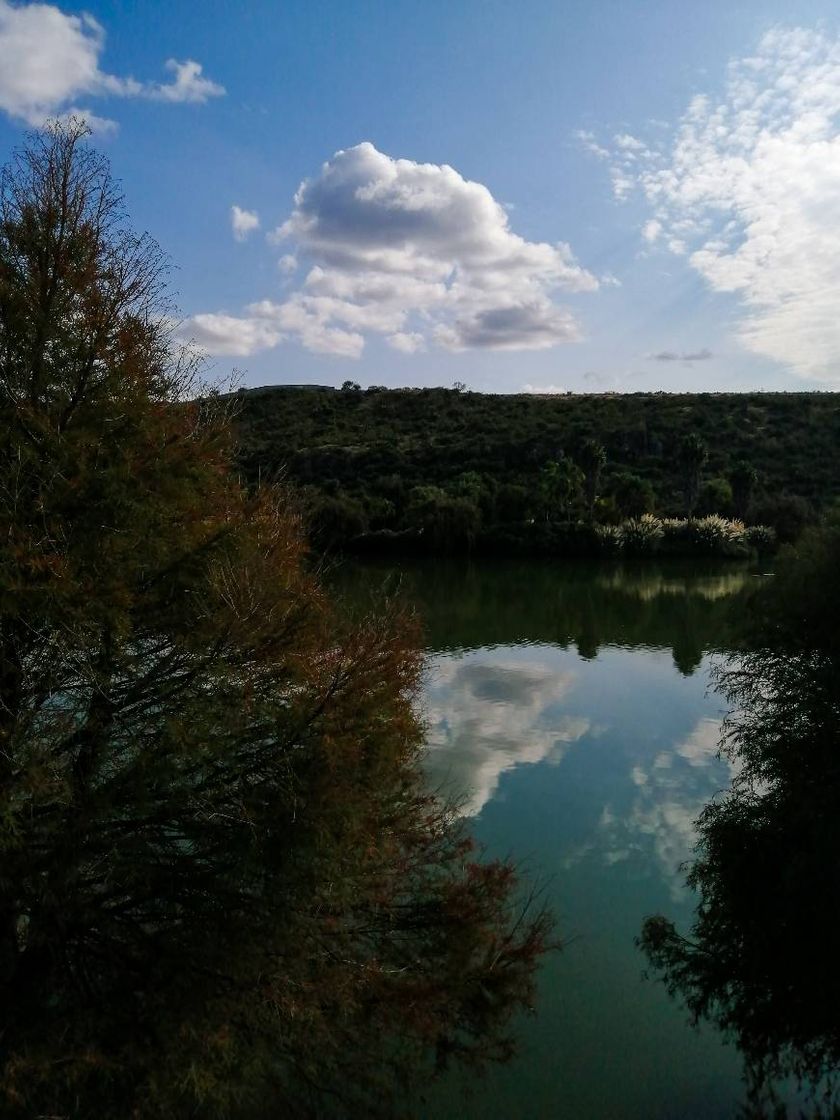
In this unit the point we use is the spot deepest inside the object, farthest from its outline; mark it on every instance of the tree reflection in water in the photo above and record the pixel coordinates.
(761, 959)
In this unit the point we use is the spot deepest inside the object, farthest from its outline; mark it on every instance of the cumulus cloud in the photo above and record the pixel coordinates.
(418, 254)
(687, 356)
(49, 59)
(243, 222)
(749, 189)
(408, 342)
(230, 335)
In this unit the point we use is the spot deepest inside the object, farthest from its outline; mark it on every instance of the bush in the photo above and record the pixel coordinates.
(786, 514)
(609, 538)
(641, 536)
(761, 538)
(718, 536)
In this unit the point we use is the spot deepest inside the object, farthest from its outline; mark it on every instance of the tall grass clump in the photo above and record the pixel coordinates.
(641, 536)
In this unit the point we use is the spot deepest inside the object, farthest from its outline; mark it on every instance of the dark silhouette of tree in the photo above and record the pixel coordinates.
(692, 455)
(223, 889)
(760, 961)
(560, 484)
(743, 479)
(633, 495)
(592, 459)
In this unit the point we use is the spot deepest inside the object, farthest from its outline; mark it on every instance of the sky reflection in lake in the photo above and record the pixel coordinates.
(576, 725)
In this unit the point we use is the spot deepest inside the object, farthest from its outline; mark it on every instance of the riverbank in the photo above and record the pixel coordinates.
(647, 536)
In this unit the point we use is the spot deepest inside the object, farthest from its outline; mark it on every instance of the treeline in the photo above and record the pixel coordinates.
(454, 468)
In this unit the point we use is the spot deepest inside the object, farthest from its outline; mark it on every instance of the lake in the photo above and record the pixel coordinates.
(570, 710)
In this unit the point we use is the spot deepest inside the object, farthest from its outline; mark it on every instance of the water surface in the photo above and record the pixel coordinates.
(570, 710)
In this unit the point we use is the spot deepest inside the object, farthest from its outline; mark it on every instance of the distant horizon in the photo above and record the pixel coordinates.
(599, 198)
(794, 391)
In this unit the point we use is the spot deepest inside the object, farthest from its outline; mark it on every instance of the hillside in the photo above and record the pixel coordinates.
(379, 459)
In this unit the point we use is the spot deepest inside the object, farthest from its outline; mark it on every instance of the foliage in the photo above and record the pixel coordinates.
(641, 536)
(760, 961)
(743, 478)
(560, 488)
(634, 496)
(715, 496)
(223, 889)
(761, 538)
(692, 456)
(786, 514)
(383, 443)
(592, 458)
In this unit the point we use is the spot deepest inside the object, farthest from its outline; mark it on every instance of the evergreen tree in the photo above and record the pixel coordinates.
(223, 889)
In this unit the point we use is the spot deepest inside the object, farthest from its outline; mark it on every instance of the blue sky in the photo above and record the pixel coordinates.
(543, 196)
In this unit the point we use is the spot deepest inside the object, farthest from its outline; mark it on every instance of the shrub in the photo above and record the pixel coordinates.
(718, 536)
(641, 536)
(761, 538)
(609, 538)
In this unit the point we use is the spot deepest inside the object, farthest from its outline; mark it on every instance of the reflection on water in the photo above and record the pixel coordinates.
(488, 714)
(569, 712)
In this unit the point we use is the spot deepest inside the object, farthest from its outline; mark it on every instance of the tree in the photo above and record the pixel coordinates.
(743, 478)
(447, 522)
(560, 483)
(760, 961)
(633, 495)
(692, 455)
(715, 496)
(592, 460)
(223, 888)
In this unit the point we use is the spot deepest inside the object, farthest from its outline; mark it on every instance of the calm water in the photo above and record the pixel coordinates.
(571, 711)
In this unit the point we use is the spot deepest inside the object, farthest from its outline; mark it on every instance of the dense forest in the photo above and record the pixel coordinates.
(460, 467)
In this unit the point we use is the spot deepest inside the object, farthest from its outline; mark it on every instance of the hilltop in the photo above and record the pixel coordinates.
(380, 459)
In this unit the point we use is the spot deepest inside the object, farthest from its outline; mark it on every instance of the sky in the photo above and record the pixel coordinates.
(535, 197)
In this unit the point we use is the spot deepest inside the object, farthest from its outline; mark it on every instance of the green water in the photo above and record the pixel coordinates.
(571, 710)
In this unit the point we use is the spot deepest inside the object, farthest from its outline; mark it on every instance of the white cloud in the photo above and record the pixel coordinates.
(48, 59)
(587, 139)
(230, 335)
(651, 230)
(243, 222)
(629, 143)
(288, 263)
(543, 390)
(419, 254)
(408, 342)
(188, 85)
(750, 190)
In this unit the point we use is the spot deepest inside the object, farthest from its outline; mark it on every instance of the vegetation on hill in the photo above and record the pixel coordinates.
(455, 468)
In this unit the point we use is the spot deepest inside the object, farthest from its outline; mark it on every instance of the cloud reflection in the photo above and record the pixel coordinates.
(669, 795)
(487, 717)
